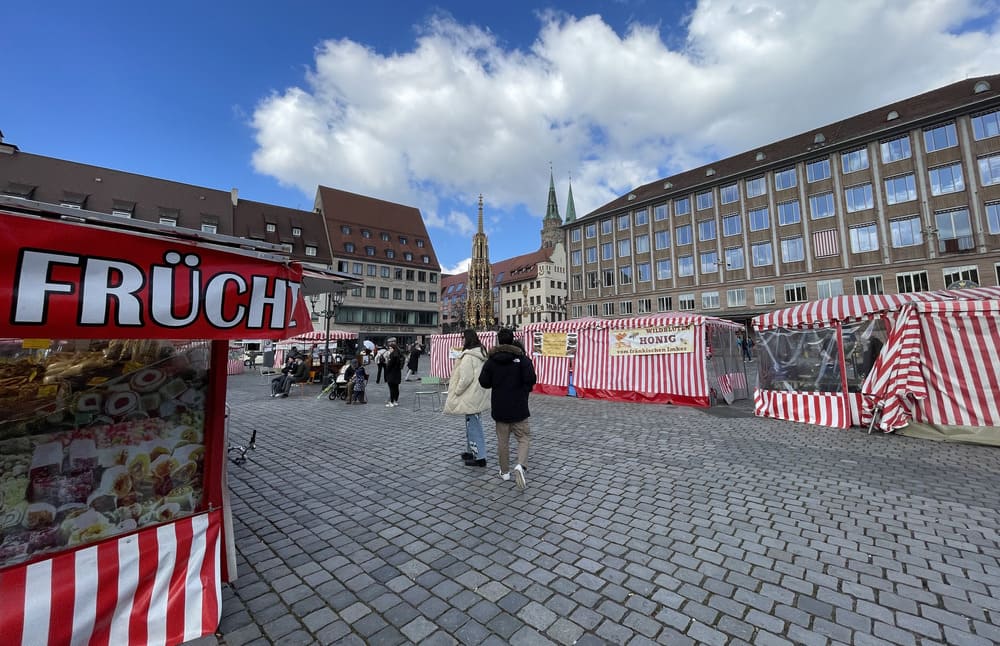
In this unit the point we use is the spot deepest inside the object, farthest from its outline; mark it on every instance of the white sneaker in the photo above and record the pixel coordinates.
(519, 476)
(389, 405)
(505, 476)
(395, 404)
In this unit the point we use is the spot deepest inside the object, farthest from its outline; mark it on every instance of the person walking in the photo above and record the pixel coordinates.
(467, 397)
(393, 372)
(413, 361)
(510, 375)
(380, 363)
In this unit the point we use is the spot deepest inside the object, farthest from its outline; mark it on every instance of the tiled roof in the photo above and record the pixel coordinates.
(940, 103)
(349, 216)
(252, 219)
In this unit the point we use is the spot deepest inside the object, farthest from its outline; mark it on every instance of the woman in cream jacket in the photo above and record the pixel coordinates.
(467, 397)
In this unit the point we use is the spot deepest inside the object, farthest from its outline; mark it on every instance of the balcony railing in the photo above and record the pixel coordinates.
(957, 244)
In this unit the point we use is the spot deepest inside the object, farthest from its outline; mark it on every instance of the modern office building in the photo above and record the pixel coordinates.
(899, 199)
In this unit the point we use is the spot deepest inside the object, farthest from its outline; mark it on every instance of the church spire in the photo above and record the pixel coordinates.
(479, 299)
(551, 225)
(552, 210)
(570, 205)
(480, 213)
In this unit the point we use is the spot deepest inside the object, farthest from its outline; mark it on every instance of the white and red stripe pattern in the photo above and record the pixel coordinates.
(825, 311)
(441, 344)
(158, 586)
(319, 336)
(826, 243)
(654, 378)
(825, 409)
(234, 367)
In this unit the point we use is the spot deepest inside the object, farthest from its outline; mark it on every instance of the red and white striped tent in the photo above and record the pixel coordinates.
(841, 408)
(319, 336)
(686, 378)
(445, 346)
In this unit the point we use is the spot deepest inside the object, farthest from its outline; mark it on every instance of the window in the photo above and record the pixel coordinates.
(736, 297)
(710, 300)
(420, 243)
(645, 305)
(993, 217)
(683, 234)
(759, 219)
(954, 230)
(911, 281)
(625, 307)
(901, 188)
(792, 249)
(383, 292)
(682, 206)
(641, 217)
(433, 277)
(660, 212)
(287, 248)
(402, 240)
(644, 272)
(940, 137)
(947, 179)
(409, 294)
(386, 272)
(986, 125)
(592, 282)
(389, 253)
(821, 206)
(686, 302)
(609, 309)
(704, 200)
(576, 235)
(858, 197)
(365, 233)
(663, 270)
(762, 254)
(662, 239)
(592, 309)
(369, 251)
(734, 258)
(826, 243)
(642, 243)
(346, 230)
(756, 186)
(297, 231)
(170, 222)
(623, 222)
(795, 293)
(349, 247)
(864, 238)
(763, 295)
(854, 161)
(624, 248)
(122, 213)
(609, 277)
(591, 254)
(732, 225)
(818, 170)
(576, 258)
(685, 266)
(789, 213)
(310, 250)
(625, 275)
(729, 194)
(955, 274)
(664, 304)
(398, 273)
(607, 227)
(895, 149)
(209, 228)
(591, 230)
(784, 179)
(425, 259)
(989, 170)
(706, 230)
(868, 285)
(422, 276)
(607, 250)
(271, 227)
(577, 282)
(906, 232)
(408, 256)
(829, 288)
(383, 235)
(709, 262)
(370, 291)
(372, 270)
(397, 294)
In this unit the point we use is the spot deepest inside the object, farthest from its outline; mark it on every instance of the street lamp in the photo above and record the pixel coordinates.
(333, 301)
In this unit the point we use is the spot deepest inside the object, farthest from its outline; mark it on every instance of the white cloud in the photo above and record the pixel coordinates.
(462, 266)
(458, 114)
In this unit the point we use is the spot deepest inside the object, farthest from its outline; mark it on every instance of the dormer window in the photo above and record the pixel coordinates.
(286, 247)
(271, 227)
(169, 217)
(296, 231)
(385, 237)
(73, 200)
(389, 253)
(365, 233)
(369, 251)
(407, 256)
(122, 209)
(346, 230)
(349, 247)
(427, 261)
(402, 240)
(310, 250)
(420, 243)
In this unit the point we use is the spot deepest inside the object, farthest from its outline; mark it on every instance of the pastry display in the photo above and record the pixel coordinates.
(98, 439)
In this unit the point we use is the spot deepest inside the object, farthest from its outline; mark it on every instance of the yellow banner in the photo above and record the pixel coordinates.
(36, 344)
(553, 344)
(663, 339)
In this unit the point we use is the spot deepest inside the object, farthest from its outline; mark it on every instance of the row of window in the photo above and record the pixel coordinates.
(367, 234)
(372, 316)
(370, 251)
(397, 294)
(764, 295)
(386, 271)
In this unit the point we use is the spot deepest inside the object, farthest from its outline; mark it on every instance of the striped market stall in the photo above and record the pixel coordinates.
(445, 348)
(305, 341)
(834, 361)
(663, 359)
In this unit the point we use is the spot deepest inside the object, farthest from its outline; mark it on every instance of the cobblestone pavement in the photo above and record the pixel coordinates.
(640, 524)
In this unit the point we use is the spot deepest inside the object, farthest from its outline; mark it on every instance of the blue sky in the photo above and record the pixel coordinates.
(432, 104)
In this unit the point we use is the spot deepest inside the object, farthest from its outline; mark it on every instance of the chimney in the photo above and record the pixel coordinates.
(234, 195)
(6, 149)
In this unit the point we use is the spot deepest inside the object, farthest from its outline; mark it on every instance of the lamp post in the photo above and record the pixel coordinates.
(333, 301)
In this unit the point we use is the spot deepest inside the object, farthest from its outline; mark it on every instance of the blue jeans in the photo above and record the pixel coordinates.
(474, 437)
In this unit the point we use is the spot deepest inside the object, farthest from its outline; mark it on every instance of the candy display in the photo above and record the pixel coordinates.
(98, 441)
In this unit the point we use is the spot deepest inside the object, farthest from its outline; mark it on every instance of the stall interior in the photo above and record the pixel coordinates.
(97, 438)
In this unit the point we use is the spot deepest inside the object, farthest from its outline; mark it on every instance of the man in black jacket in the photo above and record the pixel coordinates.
(281, 386)
(510, 375)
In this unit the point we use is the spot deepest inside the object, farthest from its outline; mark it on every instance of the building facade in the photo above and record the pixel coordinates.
(900, 199)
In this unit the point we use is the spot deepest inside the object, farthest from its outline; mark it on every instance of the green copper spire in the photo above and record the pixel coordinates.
(570, 205)
(552, 210)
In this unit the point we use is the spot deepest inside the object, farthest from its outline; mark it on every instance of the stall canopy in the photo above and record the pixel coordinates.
(677, 359)
(833, 361)
(445, 348)
(319, 336)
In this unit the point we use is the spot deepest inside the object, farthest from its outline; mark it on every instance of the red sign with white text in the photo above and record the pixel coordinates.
(67, 280)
